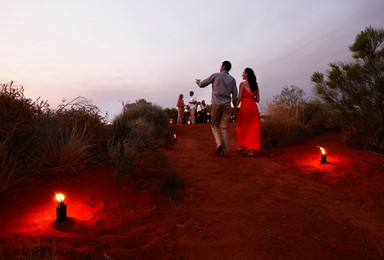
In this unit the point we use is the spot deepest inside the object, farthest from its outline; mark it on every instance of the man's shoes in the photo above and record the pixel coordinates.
(219, 148)
(224, 154)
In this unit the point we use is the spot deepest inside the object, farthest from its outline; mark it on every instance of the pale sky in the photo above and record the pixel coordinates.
(114, 51)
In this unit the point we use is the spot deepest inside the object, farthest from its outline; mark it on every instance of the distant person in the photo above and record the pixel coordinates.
(180, 109)
(192, 107)
(204, 111)
(199, 115)
(223, 87)
(248, 119)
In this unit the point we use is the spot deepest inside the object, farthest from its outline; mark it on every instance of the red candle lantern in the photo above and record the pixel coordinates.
(61, 210)
(323, 156)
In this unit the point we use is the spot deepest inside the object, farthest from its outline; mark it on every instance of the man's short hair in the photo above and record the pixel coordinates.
(191, 92)
(227, 65)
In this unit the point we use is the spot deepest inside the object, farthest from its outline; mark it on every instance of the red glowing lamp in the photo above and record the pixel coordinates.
(323, 156)
(61, 209)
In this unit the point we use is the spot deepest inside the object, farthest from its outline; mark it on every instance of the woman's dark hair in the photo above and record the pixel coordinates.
(251, 79)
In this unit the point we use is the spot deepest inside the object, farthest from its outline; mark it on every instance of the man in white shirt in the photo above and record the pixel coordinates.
(192, 107)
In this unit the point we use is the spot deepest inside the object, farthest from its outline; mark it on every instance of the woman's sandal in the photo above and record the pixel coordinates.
(250, 154)
(241, 149)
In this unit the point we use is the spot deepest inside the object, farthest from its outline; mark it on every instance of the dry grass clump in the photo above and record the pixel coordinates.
(19, 119)
(66, 150)
(12, 171)
(284, 124)
(38, 251)
(72, 137)
(291, 118)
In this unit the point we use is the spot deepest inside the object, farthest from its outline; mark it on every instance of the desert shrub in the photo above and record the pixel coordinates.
(284, 123)
(355, 90)
(172, 114)
(19, 117)
(138, 132)
(12, 170)
(36, 141)
(145, 169)
(71, 137)
(65, 150)
(319, 118)
(81, 113)
(140, 115)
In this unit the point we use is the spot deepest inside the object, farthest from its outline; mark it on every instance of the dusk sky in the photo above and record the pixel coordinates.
(122, 50)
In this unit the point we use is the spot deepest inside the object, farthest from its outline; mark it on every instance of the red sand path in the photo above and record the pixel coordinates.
(281, 204)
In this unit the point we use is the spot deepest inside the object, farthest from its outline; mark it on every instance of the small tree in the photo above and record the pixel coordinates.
(291, 96)
(355, 90)
(285, 123)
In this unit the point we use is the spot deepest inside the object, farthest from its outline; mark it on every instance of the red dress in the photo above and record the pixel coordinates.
(248, 123)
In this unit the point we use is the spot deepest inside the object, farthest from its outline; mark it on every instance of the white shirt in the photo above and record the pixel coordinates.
(193, 99)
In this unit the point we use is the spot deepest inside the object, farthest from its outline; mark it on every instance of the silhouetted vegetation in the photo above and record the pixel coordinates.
(37, 142)
(138, 131)
(291, 118)
(354, 91)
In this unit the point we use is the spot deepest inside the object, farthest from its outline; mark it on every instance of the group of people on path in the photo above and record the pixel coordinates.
(197, 109)
(224, 90)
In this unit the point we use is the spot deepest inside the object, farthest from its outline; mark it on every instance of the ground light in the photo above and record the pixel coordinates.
(61, 209)
(323, 156)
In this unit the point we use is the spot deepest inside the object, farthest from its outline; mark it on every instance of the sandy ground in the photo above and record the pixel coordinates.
(281, 204)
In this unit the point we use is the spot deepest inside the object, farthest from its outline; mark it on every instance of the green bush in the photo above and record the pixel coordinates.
(145, 125)
(354, 91)
(319, 118)
(137, 133)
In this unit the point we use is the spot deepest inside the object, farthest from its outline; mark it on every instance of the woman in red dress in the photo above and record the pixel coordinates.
(248, 118)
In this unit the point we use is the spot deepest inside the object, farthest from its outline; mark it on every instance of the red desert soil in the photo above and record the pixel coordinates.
(281, 204)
